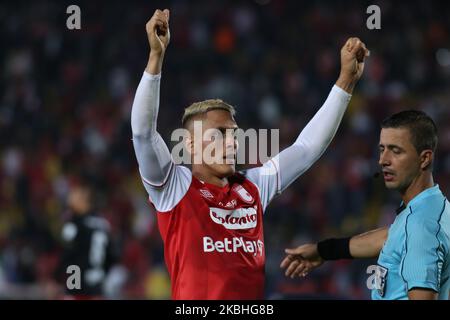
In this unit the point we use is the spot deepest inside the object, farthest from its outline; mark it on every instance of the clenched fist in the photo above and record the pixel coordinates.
(353, 54)
(158, 32)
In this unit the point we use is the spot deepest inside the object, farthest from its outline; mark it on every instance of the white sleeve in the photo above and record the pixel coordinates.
(165, 182)
(279, 172)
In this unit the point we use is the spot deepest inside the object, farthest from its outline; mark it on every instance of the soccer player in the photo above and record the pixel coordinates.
(87, 244)
(211, 217)
(413, 253)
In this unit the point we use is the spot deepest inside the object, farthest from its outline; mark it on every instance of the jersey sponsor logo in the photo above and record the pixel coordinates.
(233, 245)
(241, 218)
(243, 194)
(206, 194)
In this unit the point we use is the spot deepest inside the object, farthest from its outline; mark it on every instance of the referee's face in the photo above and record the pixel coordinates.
(399, 160)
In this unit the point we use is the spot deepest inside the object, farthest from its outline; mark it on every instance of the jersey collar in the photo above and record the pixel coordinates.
(425, 193)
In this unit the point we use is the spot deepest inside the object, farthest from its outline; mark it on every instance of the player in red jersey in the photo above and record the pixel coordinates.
(211, 217)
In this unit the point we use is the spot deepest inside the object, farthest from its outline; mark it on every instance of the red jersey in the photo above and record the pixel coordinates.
(213, 242)
(213, 236)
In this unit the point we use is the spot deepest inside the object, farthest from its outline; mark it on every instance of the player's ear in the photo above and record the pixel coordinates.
(189, 144)
(426, 159)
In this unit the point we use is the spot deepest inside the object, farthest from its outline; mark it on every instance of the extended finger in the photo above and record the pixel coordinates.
(286, 261)
(294, 251)
(291, 268)
(301, 269)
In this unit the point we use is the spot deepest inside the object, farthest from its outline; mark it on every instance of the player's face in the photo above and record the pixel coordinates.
(79, 200)
(218, 143)
(399, 160)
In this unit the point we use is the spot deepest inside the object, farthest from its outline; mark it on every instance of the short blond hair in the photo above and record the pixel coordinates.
(202, 107)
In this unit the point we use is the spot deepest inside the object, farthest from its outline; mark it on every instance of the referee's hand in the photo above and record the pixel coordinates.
(301, 260)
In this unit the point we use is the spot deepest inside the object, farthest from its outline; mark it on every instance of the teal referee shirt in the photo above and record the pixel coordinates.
(416, 252)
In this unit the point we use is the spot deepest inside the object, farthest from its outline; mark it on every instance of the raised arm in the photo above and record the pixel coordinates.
(165, 182)
(158, 34)
(288, 165)
(152, 153)
(318, 133)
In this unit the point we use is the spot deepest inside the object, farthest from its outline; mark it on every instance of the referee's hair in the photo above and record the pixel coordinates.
(422, 128)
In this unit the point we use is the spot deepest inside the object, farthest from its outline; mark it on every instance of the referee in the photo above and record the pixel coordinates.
(413, 253)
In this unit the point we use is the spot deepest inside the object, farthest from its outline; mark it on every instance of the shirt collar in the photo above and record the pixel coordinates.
(425, 193)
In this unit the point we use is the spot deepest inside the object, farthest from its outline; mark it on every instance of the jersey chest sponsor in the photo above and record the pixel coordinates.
(240, 218)
(233, 245)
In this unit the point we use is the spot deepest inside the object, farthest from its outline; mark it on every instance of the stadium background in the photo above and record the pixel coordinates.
(65, 101)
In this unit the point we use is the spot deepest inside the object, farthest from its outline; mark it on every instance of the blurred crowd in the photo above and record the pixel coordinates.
(65, 103)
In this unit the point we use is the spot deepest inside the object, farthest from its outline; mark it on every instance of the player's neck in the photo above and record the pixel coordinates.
(421, 183)
(209, 178)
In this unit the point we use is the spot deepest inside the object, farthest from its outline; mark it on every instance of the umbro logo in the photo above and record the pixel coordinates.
(205, 193)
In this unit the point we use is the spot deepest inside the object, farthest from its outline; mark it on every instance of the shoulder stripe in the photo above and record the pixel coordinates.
(437, 236)
(406, 247)
(406, 240)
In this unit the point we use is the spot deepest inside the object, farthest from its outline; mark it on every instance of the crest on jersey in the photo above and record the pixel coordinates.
(243, 194)
(241, 218)
(231, 204)
(205, 193)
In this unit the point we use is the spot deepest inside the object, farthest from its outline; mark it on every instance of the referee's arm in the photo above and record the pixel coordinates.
(301, 260)
(368, 244)
(422, 294)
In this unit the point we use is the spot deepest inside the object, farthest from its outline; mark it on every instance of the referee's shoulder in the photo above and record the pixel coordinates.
(429, 208)
(426, 217)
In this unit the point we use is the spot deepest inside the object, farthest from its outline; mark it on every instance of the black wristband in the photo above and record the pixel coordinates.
(334, 249)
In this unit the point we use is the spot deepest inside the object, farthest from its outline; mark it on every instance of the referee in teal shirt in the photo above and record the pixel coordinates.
(413, 253)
